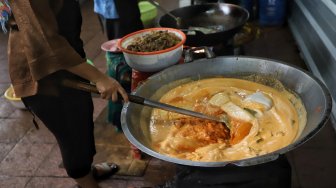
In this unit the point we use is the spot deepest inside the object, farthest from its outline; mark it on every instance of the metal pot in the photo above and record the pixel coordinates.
(314, 94)
(230, 18)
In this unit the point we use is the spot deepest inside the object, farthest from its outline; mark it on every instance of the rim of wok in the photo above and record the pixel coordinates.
(200, 38)
(210, 6)
(243, 162)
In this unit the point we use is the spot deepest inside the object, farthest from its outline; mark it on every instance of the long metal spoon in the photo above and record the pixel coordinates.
(179, 22)
(143, 101)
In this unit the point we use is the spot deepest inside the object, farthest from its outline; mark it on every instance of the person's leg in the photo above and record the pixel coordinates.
(69, 118)
(128, 21)
(87, 182)
(129, 16)
(112, 29)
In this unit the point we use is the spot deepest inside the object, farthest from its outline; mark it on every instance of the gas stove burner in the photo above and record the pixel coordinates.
(223, 49)
(275, 174)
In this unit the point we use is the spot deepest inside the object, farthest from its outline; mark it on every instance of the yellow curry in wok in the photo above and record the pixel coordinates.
(259, 119)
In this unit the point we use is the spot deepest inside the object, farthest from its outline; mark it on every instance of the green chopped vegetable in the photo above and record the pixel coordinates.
(154, 41)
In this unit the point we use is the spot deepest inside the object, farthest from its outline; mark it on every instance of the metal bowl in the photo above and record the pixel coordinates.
(152, 61)
(315, 96)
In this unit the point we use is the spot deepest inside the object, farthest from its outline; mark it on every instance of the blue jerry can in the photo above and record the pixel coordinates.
(272, 12)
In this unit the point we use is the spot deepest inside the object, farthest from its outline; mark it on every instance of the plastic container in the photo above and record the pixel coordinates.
(272, 12)
(15, 101)
(148, 13)
(89, 62)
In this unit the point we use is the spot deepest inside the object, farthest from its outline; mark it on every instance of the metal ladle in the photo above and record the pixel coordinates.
(179, 22)
(143, 101)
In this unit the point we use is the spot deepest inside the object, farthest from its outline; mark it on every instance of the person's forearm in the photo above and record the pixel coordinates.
(106, 86)
(86, 71)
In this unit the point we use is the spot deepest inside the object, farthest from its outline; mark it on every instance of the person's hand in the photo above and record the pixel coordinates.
(109, 89)
(107, 86)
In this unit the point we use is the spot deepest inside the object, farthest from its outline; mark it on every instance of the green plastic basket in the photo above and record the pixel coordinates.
(148, 13)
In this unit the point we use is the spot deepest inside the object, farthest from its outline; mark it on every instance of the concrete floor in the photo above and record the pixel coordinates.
(30, 158)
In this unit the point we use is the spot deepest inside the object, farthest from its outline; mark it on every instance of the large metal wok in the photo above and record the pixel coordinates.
(227, 18)
(316, 98)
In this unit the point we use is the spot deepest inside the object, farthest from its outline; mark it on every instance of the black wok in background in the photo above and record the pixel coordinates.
(232, 17)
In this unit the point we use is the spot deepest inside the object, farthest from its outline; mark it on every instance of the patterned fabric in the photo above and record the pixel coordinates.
(106, 8)
(5, 12)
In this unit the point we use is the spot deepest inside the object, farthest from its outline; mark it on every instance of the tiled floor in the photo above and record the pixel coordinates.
(30, 158)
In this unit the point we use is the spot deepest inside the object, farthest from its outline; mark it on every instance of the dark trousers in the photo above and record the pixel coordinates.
(69, 118)
(128, 21)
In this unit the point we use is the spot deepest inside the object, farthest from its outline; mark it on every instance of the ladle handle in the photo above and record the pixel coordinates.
(139, 100)
(80, 86)
(136, 99)
(93, 89)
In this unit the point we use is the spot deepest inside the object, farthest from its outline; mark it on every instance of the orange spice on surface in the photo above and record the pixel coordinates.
(239, 129)
(205, 132)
